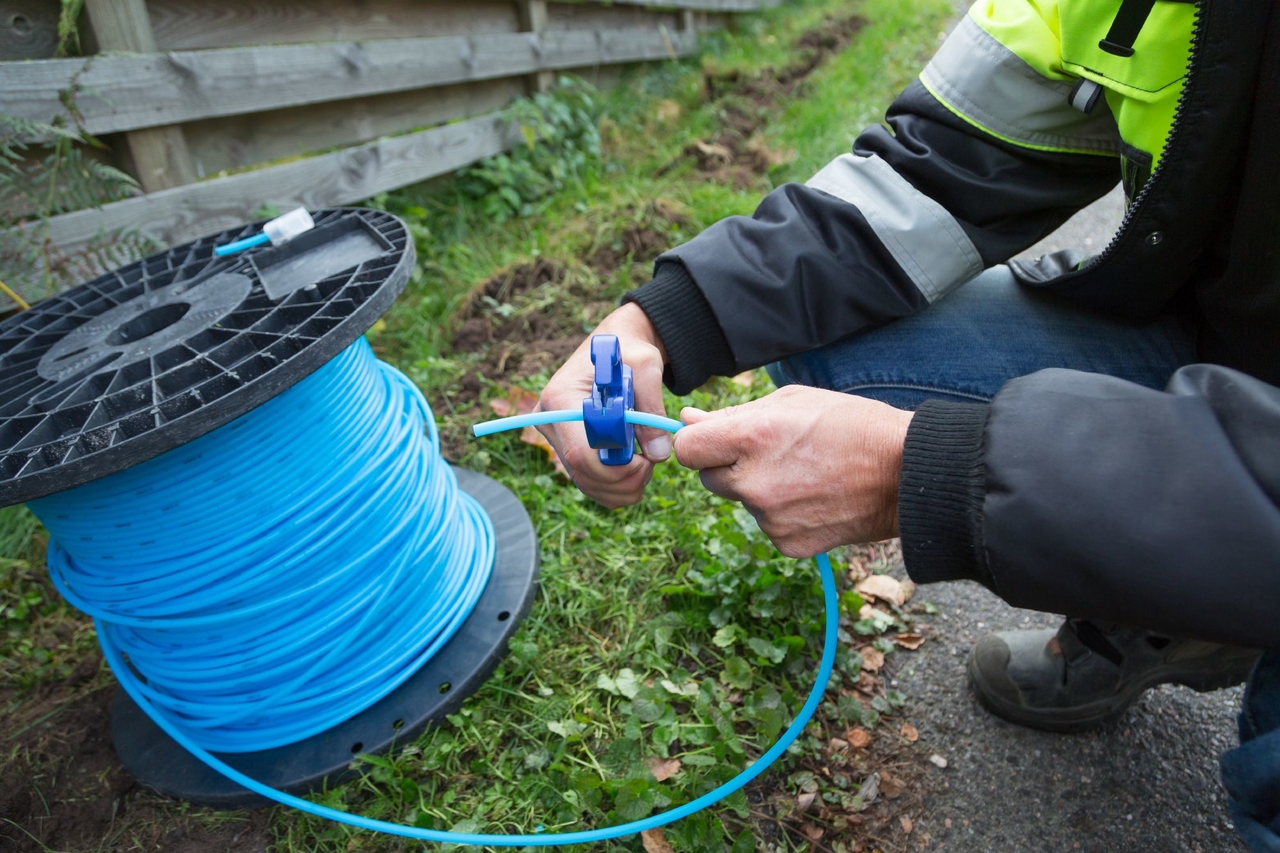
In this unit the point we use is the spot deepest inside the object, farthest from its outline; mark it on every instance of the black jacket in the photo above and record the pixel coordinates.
(1071, 492)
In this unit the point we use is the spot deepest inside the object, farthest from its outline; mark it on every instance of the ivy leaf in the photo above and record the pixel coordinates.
(628, 683)
(689, 688)
(737, 673)
(566, 728)
(635, 800)
(767, 650)
(727, 636)
(646, 709)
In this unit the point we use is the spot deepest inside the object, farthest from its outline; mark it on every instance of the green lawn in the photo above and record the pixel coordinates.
(668, 632)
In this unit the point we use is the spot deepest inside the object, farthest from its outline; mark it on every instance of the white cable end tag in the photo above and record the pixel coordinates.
(284, 228)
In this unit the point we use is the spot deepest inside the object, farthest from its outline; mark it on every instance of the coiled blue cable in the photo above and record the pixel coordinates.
(218, 588)
(282, 573)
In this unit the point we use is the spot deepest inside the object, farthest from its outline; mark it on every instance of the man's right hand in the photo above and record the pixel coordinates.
(622, 485)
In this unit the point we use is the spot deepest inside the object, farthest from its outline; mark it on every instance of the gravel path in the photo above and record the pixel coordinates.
(1149, 783)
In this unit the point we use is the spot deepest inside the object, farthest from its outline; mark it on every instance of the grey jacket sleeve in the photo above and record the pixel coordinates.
(1086, 495)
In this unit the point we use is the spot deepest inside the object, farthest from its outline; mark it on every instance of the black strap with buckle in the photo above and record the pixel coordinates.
(1128, 22)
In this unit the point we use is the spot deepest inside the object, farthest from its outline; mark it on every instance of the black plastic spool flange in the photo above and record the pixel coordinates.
(146, 358)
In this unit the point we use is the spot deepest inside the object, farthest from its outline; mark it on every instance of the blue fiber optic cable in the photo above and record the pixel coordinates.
(220, 598)
(259, 239)
(565, 416)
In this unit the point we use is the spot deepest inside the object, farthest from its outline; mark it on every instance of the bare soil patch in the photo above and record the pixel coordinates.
(63, 788)
(525, 319)
(738, 154)
(530, 317)
(648, 231)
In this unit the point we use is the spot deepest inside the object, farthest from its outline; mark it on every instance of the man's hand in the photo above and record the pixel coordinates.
(815, 468)
(611, 486)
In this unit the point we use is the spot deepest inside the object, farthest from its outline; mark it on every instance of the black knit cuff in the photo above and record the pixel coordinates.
(940, 494)
(695, 344)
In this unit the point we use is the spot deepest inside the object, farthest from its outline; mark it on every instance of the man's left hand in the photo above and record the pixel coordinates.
(815, 468)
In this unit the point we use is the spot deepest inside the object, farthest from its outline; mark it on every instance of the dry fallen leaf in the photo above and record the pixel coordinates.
(745, 379)
(663, 768)
(655, 842)
(874, 613)
(868, 683)
(908, 590)
(838, 744)
(521, 402)
(891, 787)
(870, 789)
(805, 801)
(907, 825)
(813, 833)
(909, 641)
(502, 408)
(858, 738)
(884, 588)
(872, 659)
(910, 733)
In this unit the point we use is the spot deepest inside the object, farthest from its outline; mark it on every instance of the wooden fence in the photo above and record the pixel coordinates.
(192, 95)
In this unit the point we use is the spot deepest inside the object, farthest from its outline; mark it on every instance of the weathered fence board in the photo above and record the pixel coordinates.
(118, 93)
(343, 177)
(579, 16)
(236, 142)
(194, 24)
(30, 31)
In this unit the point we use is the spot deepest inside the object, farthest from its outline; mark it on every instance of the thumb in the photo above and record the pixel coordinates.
(646, 376)
(690, 415)
(709, 439)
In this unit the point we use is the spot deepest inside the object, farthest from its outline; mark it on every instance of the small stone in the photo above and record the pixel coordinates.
(937, 761)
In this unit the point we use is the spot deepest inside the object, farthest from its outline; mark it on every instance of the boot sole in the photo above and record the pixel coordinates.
(1096, 714)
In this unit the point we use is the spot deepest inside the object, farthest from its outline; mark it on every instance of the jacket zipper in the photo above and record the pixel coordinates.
(1179, 114)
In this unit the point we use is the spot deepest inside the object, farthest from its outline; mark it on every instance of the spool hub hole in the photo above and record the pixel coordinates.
(148, 323)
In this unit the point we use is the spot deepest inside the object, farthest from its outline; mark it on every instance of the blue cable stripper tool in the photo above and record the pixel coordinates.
(604, 412)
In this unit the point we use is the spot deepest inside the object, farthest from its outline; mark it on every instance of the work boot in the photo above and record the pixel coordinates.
(1087, 673)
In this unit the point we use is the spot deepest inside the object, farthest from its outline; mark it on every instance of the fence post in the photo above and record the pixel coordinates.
(533, 19)
(160, 156)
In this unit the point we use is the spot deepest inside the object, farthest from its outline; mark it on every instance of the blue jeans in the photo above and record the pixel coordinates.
(969, 344)
(1251, 771)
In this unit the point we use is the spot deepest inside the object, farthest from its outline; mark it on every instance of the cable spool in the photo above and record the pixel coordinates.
(162, 353)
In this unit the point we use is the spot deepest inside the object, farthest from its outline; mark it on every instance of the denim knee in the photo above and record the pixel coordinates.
(1251, 772)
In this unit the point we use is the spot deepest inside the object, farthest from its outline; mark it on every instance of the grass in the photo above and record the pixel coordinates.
(667, 632)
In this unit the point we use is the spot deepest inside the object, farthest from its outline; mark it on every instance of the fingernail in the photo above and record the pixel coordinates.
(658, 448)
